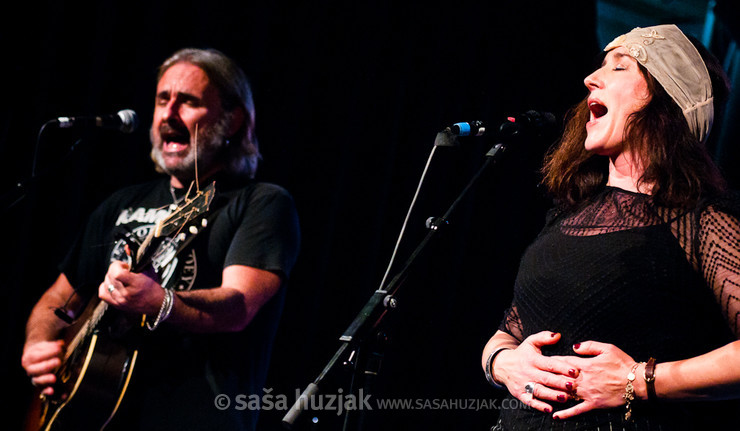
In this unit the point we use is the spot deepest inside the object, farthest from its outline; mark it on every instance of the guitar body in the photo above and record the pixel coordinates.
(92, 381)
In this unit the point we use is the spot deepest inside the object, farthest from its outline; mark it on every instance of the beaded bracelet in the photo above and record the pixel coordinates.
(489, 367)
(164, 310)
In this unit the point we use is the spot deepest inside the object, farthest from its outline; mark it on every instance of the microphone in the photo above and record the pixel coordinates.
(125, 121)
(512, 127)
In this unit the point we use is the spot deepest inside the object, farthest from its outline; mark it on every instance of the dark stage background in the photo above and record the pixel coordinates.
(349, 98)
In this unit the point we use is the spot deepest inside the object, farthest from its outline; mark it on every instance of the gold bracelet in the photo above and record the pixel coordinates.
(629, 394)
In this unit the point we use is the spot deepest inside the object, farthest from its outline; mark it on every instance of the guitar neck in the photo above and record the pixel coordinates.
(87, 327)
(174, 225)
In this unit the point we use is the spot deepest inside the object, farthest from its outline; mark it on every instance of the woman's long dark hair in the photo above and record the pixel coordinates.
(677, 166)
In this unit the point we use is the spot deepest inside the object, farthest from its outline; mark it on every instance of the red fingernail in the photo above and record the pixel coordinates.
(547, 410)
(561, 398)
(577, 346)
(572, 372)
(569, 386)
(553, 334)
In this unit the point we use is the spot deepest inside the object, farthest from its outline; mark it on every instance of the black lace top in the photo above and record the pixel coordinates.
(653, 281)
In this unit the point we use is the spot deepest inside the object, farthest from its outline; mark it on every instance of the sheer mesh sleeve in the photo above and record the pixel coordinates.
(719, 255)
(511, 323)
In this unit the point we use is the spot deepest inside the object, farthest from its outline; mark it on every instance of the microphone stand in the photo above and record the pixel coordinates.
(384, 300)
(22, 188)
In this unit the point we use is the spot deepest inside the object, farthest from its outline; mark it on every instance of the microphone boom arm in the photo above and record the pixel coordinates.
(382, 301)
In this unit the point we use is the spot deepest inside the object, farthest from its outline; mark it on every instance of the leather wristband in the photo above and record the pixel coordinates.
(649, 376)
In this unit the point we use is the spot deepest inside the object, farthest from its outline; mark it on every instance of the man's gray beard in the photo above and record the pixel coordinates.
(211, 145)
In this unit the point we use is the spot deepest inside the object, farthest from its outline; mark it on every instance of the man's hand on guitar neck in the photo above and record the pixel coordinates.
(131, 292)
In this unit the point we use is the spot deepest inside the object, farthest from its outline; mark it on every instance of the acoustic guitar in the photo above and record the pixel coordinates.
(101, 345)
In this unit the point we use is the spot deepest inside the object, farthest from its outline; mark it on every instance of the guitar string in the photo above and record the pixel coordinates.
(177, 200)
(197, 182)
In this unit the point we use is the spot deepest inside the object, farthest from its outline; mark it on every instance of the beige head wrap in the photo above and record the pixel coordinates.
(676, 64)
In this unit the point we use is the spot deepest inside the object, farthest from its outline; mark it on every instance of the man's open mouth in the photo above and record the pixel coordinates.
(173, 140)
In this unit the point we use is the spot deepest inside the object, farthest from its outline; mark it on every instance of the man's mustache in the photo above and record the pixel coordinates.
(173, 130)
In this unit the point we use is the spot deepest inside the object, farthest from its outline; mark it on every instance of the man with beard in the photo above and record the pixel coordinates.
(211, 313)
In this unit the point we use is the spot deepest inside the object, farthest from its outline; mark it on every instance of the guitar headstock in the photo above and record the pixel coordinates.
(172, 233)
(189, 210)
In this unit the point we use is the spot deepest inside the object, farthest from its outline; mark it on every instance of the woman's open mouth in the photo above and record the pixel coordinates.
(597, 109)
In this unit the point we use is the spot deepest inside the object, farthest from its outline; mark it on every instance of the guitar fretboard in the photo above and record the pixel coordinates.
(87, 328)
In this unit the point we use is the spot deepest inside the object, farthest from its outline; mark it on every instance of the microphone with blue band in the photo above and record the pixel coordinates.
(513, 126)
(472, 128)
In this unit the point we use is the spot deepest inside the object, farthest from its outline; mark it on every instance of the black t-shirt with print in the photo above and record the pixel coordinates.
(178, 374)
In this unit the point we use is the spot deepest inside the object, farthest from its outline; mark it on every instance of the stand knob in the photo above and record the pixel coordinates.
(435, 223)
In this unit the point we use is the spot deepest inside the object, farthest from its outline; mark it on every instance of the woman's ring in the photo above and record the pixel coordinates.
(529, 388)
(111, 287)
